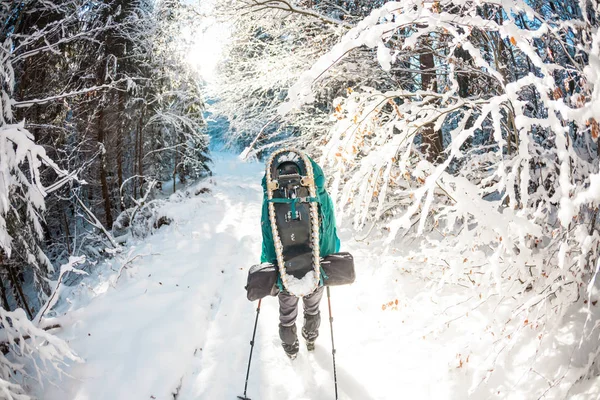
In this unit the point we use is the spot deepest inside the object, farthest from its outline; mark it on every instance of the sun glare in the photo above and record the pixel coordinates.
(208, 46)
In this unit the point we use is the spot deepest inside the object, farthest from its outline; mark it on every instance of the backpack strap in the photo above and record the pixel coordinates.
(294, 201)
(323, 276)
(279, 283)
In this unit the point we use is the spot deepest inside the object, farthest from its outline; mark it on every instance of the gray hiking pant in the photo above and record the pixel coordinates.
(288, 311)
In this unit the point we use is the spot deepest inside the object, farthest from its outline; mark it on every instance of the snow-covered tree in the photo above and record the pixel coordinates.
(82, 85)
(474, 130)
(120, 71)
(176, 127)
(269, 48)
(22, 191)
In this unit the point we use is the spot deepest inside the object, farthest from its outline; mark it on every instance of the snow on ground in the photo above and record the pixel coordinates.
(176, 323)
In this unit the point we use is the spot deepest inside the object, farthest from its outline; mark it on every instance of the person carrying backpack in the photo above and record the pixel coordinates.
(329, 243)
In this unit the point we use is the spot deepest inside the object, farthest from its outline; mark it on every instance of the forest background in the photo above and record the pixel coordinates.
(470, 127)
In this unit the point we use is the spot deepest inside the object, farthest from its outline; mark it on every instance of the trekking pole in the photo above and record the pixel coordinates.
(251, 348)
(332, 343)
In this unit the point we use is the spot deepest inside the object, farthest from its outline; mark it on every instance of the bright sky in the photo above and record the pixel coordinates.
(209, 43)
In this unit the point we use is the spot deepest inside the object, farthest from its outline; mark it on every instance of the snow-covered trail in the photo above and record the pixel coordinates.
(143, 336)
(177, 324)
(177, 320)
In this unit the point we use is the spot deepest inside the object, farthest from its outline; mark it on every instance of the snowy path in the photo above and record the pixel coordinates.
(181, 308)
(180, 322)
(177, 324)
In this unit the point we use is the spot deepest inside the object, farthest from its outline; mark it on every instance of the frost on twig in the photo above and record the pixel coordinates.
(54, 297)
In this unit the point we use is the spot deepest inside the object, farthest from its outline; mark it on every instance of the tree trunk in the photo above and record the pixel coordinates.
(5, 304)
(463, 78)
(175, 171)
(136, 155)
(14, 279)
(140, 155)
(432, 139)
(67, 231)
(103, 175)
(120, 134)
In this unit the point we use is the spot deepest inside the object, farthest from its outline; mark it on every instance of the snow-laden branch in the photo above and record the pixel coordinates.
(52, 47)
(28, 343)
(19, 150)
(513, 94)
(95, 222)
(393, 17)
(64, 270)
(93, 89)
(287, 6)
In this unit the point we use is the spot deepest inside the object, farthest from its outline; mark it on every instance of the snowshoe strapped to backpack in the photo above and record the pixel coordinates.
(294, 217)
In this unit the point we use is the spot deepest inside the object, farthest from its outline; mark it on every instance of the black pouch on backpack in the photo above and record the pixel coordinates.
(262, 281)
(338, 269)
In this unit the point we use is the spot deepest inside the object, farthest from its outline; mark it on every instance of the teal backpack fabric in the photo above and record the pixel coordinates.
(329, 242)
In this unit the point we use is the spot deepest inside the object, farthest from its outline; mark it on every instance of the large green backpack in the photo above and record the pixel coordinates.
(297, 214)
(296, 210)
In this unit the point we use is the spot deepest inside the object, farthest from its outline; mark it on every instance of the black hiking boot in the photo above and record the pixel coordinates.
(289, 340)
(310, 338)
(291, 350)
(310, 330)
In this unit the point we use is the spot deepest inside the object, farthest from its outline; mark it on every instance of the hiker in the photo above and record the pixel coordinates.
(329, 244)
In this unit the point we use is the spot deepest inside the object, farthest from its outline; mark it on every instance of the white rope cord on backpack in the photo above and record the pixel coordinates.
(286, 279)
